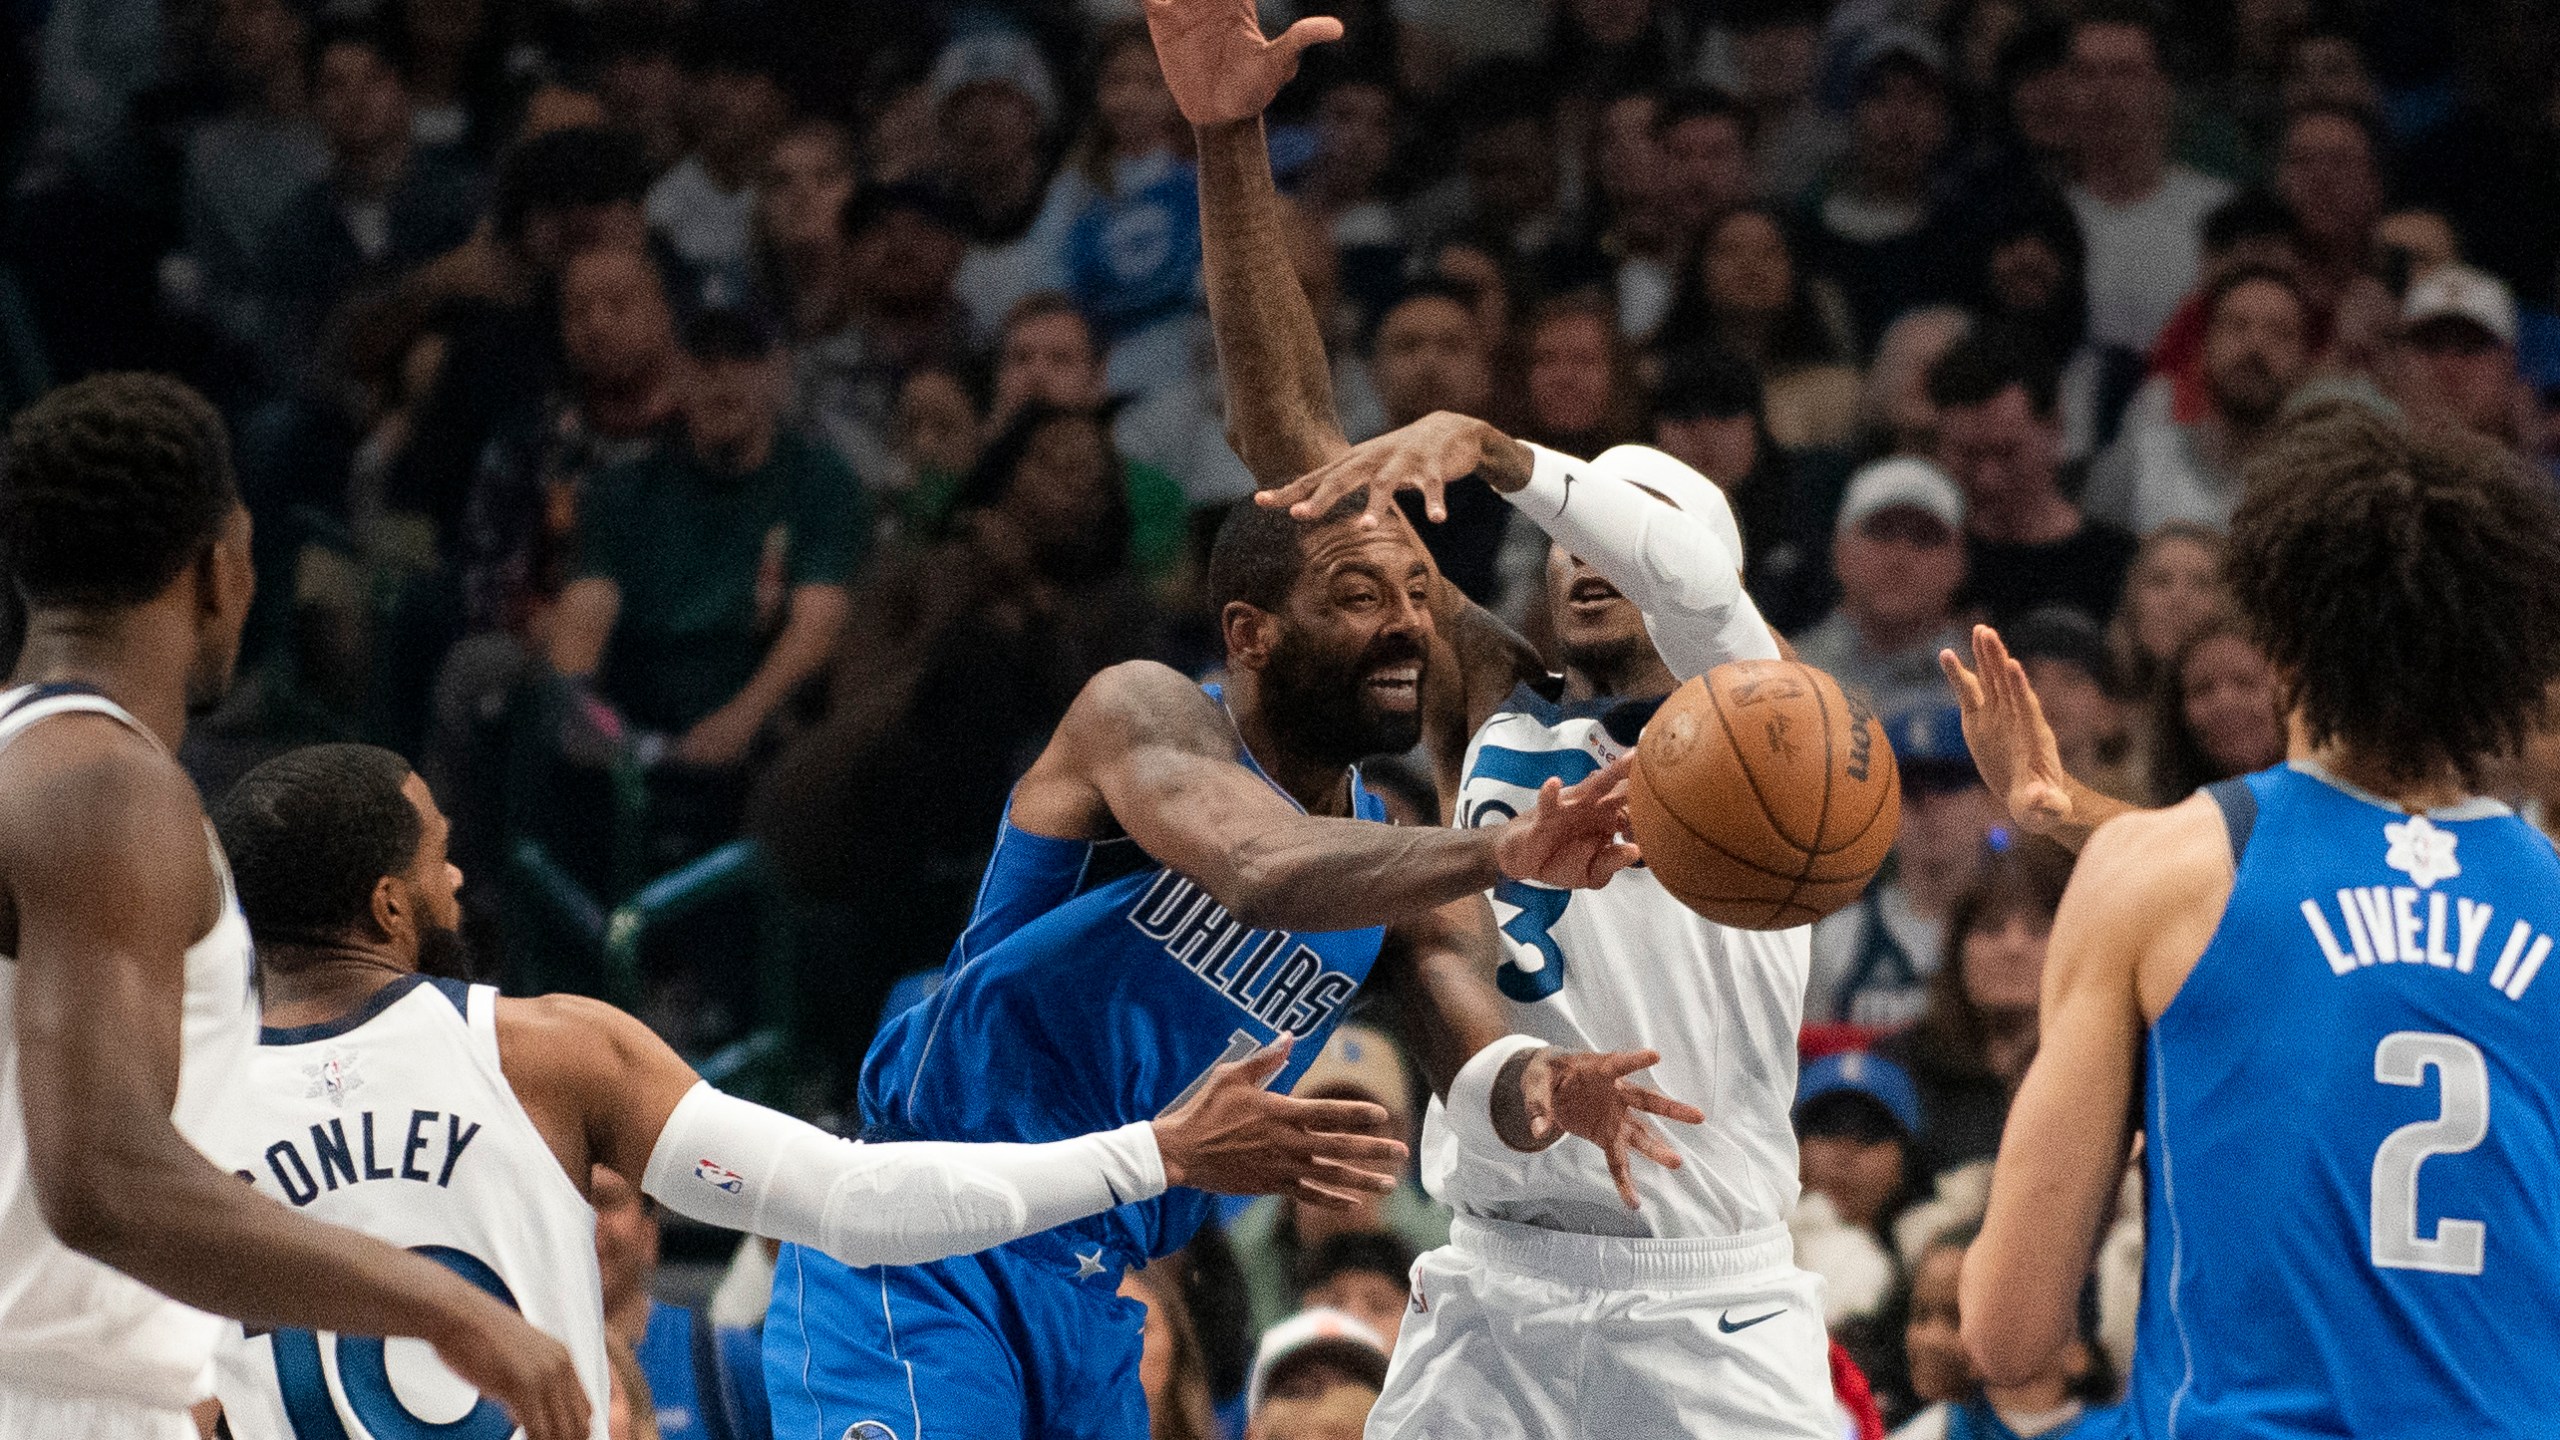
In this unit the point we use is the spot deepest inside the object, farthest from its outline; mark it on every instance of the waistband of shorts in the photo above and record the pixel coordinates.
(1616, 1262)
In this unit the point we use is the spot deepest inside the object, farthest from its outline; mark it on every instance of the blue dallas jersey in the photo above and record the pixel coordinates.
(2354, 1133)
(1093, 989)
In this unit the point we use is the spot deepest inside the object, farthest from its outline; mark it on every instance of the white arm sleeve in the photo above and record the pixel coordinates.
(1682, 568)
(1470, 1102)
(726, 1162)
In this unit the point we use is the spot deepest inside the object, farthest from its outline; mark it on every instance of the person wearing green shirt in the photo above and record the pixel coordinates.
(711, 576)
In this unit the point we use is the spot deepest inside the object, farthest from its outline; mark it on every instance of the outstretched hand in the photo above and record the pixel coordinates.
(2005, 728)
(1570, 1092)
(1216, 62)
(1570, 841)
(1426, 457)
(1235, 1137)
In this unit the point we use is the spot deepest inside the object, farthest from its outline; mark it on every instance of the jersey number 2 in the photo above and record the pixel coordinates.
(365, 1374)
(2462, 1121)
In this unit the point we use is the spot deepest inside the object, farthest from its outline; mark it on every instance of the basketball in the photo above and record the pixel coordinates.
(1764, 797)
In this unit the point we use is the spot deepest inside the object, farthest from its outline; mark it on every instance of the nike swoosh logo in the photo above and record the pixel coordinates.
(1728, 1324)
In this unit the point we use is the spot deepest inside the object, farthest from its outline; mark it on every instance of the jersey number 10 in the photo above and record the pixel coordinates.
(2462, 1121)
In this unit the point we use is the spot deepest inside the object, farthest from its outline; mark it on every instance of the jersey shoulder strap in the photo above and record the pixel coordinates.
(2238, 803)
(30, 705)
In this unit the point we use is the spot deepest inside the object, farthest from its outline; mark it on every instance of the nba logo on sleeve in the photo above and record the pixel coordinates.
(721, 1178)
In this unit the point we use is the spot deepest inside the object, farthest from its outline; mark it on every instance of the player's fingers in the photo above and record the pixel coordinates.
(1314, 30)
(1325, 1197)
(1257, 1068)
(1622, 1170)
(1652, 1146)
(1617, 855)
(1433, 503)
(1622, 1063)
(1336, 1116)
(1359, 1152)
(1654, 1102)
(1968, 689)
(1334, 1175)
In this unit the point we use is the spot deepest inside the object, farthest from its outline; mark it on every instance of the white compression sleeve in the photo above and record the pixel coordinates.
(726, 1162)
(1470, 1102)
(1682, 569)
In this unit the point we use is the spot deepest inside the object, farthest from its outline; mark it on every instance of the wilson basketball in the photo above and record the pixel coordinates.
(1764, 797)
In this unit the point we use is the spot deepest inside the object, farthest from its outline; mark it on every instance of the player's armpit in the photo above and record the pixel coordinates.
(598, 1083)
(2135, 899)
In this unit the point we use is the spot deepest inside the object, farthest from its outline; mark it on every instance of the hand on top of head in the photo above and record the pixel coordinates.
(1216, 61)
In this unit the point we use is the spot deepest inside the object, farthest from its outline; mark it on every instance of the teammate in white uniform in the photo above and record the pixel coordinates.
(1575, 1297)
(125, 1000)
(385, 1096)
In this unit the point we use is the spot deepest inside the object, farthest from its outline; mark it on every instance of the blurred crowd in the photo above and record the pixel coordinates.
(717, 438)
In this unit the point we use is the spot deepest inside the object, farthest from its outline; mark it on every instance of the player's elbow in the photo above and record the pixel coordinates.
(2007, 1348)
(97, 1206)
(1256, 894)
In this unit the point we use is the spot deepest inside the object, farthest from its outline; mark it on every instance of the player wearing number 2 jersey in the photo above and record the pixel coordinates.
(2321, 987)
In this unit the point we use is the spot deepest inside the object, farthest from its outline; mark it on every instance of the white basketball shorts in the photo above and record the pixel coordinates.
(1515, 1331)
(54, 1418)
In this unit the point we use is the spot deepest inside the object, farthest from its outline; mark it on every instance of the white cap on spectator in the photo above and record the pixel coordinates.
(997, 57)
(1318, 1334)
(1902, 482)
(2459, 292)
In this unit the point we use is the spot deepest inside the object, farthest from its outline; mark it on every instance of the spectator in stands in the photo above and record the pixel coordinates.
(384, 207)
(2140, 212)
(701, 1382)
(1368, 1274)
(2455, 358)
(1707, 414)
(2215, 713)
(1880, 230)
(2328, 172)
(1047, 354)
(1743, 290)
(2173, 590)
(736, 109)
(1170, 1367)
(641, 83)
(1275, 1238)
(2250, 231)
(2065, 656)
(625, 383)
(2029, 138)
(1977, 1032)
(1430, 352)
(1777, 60)
(1507, 196)
(1133, 244)
(245, 167)
(710, 581)
(938, 432)
(2256, 350)
(2071, 1400)
(2027, 544)
(798, 242)
(1873, 962)
(1344, 187)
(902, 253)
(1898, 551)
(1599, 45)
(2033, 283)
(1855, 1117)
(1315, 1377)
(1894, 410)
(1627, 220)
(1582, 395)
(995, 105)
(1705, 141)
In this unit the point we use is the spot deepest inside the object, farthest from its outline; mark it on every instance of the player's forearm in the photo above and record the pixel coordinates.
(817, 617)
(1321, 874)
(1271, 355)
(204, 1238)
(2089, 810)
(726, 1162)
(1674, 565)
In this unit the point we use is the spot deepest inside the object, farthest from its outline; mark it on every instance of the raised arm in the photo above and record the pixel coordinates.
(2148, 886)
(606, 1089)
(105, 853)
(1144, 748)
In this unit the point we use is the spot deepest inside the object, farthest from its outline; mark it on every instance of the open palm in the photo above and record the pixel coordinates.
(1216, 61)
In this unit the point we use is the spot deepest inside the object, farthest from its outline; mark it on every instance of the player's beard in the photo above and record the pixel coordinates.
(1322, 704)
(1608, 661)
(443, 953)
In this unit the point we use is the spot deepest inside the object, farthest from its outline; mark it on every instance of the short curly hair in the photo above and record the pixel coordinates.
(2405, 583)
(309, 834)
(111, 486)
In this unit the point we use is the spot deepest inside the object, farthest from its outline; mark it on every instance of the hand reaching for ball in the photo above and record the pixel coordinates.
(1571, 840)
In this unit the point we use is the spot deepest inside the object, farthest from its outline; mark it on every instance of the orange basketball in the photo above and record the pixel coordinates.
(1764, 797)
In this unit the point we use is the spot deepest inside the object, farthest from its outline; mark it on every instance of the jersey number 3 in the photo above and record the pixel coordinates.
(2462, 1121)
(364, 1373)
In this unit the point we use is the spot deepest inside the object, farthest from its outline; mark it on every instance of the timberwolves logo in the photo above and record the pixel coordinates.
(869, 1430)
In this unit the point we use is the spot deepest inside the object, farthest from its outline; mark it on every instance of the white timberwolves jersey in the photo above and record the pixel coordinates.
(397, 1121)
(1627, 967)
(70, 1327)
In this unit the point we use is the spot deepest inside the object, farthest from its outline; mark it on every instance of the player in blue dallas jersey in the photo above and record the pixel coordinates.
(1186, 875)
(2322, 985)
